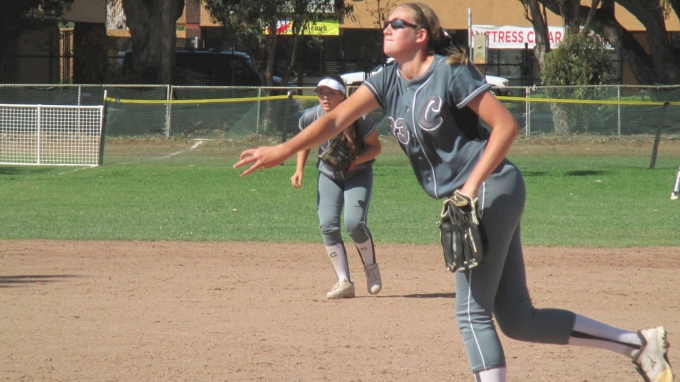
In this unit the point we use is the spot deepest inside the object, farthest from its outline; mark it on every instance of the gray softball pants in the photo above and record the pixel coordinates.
(498, 286)
(354, 194)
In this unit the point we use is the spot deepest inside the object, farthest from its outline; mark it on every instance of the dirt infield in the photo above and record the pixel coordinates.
(183, 311)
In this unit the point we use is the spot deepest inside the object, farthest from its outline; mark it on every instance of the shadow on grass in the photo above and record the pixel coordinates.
(534, 173)
(584, 173)
(22, 170)
(568, 173)
(8, 281)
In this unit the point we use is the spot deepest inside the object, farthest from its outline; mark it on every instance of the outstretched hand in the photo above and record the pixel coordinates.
(261, 157)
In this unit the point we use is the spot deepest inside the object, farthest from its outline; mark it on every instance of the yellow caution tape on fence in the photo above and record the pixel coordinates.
(280, 97)
(589, 101)
(210, 100)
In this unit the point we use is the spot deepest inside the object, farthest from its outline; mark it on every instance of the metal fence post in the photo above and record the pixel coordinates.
(657, 136)
(168, 111)
(527, 112)
(618, 109)
(257, 121)
(39, 133)
(284, 129)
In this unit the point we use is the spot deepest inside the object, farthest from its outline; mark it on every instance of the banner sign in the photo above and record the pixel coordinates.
(317, 28)
(511, 37)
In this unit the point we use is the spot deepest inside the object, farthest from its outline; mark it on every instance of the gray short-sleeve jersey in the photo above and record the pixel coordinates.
(364, 126)
(429, 117)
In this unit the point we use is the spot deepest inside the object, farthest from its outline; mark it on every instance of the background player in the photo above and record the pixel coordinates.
(676, 186)
(337, 188)
(434, 104)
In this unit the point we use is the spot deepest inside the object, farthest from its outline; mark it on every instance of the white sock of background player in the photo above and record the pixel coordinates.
(366, 251)
(591, 333)
(339, 261)
(676, 186)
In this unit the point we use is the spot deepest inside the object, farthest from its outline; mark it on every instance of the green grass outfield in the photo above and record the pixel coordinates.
(580, 193)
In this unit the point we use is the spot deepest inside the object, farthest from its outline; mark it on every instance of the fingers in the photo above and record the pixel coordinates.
(249, 170)
(296, 181)
(245, 158)
(260, 158)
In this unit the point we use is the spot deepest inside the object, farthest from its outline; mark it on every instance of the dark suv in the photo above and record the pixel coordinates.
(212, 68)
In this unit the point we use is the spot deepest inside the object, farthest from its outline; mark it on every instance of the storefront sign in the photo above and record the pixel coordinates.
(511, 37)
(318, 28)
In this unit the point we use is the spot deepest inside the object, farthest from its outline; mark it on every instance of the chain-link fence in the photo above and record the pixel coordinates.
(237, 112)
(595, 110)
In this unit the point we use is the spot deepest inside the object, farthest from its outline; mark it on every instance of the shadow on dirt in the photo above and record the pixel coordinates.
(431, 295)
(9, 281)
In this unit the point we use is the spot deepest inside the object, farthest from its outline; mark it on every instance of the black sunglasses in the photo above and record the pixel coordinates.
(398, 24)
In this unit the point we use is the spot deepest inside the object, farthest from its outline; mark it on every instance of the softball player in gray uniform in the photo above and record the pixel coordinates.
(434, 103)
(350, 189)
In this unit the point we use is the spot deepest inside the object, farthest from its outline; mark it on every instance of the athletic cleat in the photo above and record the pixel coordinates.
(651, 360)
(674, 195)
(342, 289)
(373, 280)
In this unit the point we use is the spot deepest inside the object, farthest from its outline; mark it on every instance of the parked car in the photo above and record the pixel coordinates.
(356, 78)
(212, 68)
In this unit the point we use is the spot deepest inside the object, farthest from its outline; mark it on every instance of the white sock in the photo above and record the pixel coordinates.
(492, 375)
(339, 260)
(603, 336)
(366, 251)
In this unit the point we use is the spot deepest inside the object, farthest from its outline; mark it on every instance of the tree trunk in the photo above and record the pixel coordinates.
(152, 28)
(538, 20)
(91, 56)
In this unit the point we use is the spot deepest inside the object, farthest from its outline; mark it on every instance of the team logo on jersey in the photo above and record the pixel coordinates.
(399, 129)
(431, 106)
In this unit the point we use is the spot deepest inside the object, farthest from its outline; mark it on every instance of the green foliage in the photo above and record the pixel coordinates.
(15, 10)
(22, 15)
(580, 59)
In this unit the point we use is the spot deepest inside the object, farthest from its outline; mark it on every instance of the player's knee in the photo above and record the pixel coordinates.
(355, 228)
(516, 325)
(357, 232)
(329, 227)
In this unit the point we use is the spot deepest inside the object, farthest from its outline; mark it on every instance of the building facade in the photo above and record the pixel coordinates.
(509, 49)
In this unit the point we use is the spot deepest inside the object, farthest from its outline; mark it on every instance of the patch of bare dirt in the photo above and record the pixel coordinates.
(183, 311)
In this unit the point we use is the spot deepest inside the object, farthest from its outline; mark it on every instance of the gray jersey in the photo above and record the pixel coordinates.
(442, 137)
(364, 126)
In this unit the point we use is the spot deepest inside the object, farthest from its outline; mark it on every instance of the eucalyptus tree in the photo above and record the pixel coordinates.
(152, 25)
(658, 63)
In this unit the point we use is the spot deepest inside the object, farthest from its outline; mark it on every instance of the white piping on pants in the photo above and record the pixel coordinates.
(481, 205)
(472, 329)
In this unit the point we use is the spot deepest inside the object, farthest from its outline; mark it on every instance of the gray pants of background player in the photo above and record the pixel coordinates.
(498, 286)
(354, 193)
